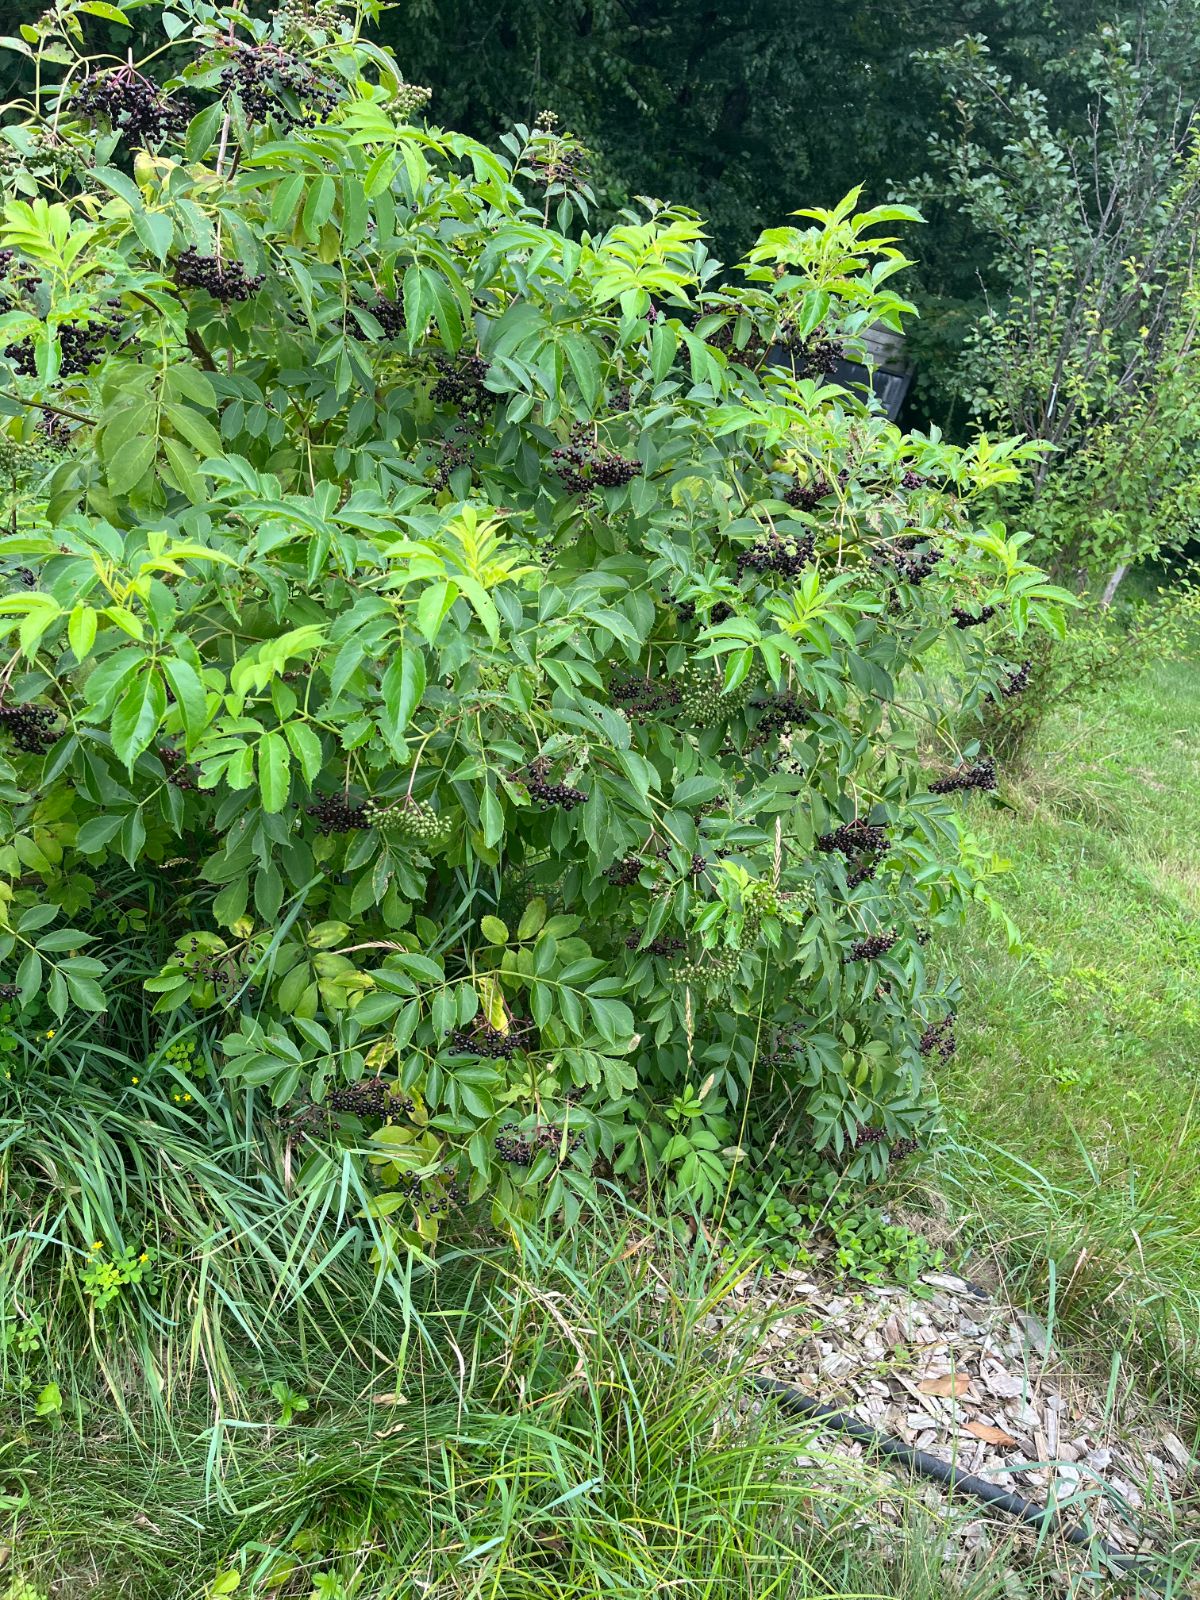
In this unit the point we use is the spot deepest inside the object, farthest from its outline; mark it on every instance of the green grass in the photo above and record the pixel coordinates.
(569, 1430)
(1074, 1095)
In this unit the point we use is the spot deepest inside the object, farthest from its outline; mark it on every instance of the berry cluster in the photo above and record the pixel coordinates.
(371, 1097)
(979, 774)
(903, 1148)
(854, 838)
(454, 452)
(722, 338)
(388, 313)
(713, 966)
(519, 1150)
(179, 772)
(277, 85)
(913, 480)
(813, 357)
(789, 557)
(333, 813)
(9, 991)
(780, 714)
(972, 619)
(225, 280)
(132, 105)
(217, 967)
(665, 947)
(431, 1195)
(28, 727)
(583, 466)
(405, 819)
(561, 795)
(622, 873)
(868, 1135)
(938, 1038)
(556, 157)
(914, 558)
(640, 699)
(488, 1042)
(80, 347)
(875, 944)
(1018, 681)
(863, 872)
(460, 382)
(806, 496)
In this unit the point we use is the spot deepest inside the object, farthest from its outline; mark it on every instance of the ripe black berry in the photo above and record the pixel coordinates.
(789, 557)
(854, 837)
(938, 1038)
(225, 280)
(979, 774)
(584, 467)
(333, 813)
(28, 727)
(132, 106)
(623, 873)
(807, 496)
(1018, 681)
(972, 619)
(561, 795)
(875, 944)
(461, 382)
(665, 947)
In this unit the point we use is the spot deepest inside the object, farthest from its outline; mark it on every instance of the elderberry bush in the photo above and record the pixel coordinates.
(490, 660)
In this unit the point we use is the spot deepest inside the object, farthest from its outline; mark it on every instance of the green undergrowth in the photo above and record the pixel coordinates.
(563, 1421)
(1073, 1097)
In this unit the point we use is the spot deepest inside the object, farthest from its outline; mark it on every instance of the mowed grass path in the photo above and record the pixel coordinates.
(1080, 1054)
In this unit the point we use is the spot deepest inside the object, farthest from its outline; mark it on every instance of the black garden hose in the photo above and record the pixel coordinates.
(1015, 1505)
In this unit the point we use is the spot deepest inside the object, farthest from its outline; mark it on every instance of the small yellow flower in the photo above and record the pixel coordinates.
(187, 1097)
(49, 1033)
(143, 1256)
(135, 1079)
(97, 1244)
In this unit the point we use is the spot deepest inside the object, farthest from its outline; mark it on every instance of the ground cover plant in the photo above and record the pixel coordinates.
(499, 659)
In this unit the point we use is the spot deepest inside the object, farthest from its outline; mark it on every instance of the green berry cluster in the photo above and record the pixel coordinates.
(406, 819)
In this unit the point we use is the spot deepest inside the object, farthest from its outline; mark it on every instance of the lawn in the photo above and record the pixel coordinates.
(1073, 1096)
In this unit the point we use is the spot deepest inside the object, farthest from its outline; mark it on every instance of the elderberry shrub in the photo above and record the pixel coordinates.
(331, 622)
(979, 774)
(227, 281)
(132, 106)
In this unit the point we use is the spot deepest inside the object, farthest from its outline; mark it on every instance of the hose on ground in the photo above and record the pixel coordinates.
(881, 1444)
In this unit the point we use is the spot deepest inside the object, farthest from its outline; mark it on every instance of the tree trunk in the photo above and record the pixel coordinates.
(1113, 584)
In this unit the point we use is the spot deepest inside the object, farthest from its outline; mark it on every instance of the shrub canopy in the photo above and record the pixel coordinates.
(513, 674)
